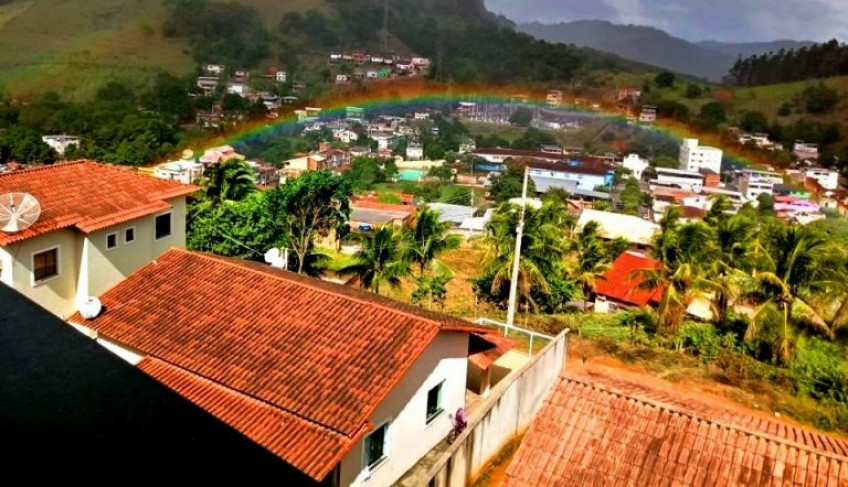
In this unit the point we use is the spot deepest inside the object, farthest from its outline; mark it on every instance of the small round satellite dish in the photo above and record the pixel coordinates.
(90, 308)
(272, 255)
(18, 211)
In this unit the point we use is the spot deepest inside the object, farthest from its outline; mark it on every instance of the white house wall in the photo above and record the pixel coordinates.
(5, 267)
(410, 437)
(56, 294)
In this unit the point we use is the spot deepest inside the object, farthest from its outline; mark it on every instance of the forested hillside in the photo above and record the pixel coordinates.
(818, 61)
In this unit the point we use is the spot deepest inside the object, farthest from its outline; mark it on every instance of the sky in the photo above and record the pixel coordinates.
(698, 20)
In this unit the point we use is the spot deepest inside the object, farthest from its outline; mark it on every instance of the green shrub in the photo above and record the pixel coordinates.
(701, 340)
(818, 370)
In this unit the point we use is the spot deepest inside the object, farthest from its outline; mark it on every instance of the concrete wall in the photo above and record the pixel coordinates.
(418, 164)
(409, 435)
(505, 415)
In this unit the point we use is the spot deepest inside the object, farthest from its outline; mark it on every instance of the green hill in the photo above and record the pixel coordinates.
(74, 47)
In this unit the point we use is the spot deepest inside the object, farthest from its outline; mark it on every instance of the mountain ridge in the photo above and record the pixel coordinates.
(706, 59)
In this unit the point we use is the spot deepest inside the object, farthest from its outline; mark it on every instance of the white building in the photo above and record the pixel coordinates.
(61, 143)
(397, 374)
(678, 178)
(752, 186)
(587, 176)
(827, 178)
(760, 174)
(183, 172)
(97, 225)
(635, 164)
(805, 151)
(385, 140)
(281, 76)
(240, 89)
(648, 115)
(345, 135)
(694, 157)
(414, 151)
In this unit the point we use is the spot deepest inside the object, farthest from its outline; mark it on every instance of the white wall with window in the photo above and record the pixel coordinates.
(44, 269)
(414, 418)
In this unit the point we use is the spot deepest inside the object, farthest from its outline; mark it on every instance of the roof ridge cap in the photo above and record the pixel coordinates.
(252, 397)
(721, 423)
(44, 167)
(281, 277)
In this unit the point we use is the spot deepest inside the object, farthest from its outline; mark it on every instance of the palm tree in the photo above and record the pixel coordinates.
(231, 180)
(591, 261)
(427, 238)
(741, 253)
(798, 270)
(542, 250)
(684, 252)
(380, 260)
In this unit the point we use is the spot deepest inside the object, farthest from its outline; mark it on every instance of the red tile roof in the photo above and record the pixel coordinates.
(88, 196)
(602, 431)
(620, 284)
(315, 352)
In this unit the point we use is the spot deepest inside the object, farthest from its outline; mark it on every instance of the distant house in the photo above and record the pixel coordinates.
(599, 429)
(346, 386)
(694, 156)
(414, 151)
(456, 215)
(804, 151)
(61, 143)
(207, 83)
(636, 165)
(215, 69)
(345, 135)
(554, 98)
(342, 79)
(468, 145)
(620, 284)
(648, 114)
(97, 225)
(238, 88)
(615, 225)
(827, 178)
(585, 173)
(217, 155)
(183, 172)
(365, 212)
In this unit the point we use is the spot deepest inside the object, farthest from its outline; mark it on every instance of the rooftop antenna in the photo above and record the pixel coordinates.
(18, 211)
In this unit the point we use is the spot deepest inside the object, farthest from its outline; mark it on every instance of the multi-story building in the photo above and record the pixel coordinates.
(97, 225)
(752, 186)
(827, 178)
(694, 156)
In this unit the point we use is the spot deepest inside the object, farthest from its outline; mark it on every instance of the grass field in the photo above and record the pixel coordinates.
(74, 47)
(769, 98)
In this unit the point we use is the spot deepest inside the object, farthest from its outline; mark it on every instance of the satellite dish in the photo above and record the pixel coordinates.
(90, 308)
(276, 258)
(18, 211)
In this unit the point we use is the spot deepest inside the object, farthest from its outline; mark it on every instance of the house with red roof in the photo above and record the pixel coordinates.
(619, 285)
(348, 387)
(92, 226)
(600, 429)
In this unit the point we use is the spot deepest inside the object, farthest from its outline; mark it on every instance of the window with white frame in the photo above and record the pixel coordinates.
(163, 226)
(434, 402)
(45, 265)
(129, 235)
(111, 240)
(377, 446)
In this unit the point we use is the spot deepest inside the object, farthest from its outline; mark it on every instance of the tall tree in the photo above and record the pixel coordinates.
(309, 206)
(427, 238)
(591, 260)
(380, 260)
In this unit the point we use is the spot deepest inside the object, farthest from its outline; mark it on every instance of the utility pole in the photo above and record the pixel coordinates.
(519, 234)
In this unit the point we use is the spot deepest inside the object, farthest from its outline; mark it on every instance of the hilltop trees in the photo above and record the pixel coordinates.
(819, 61)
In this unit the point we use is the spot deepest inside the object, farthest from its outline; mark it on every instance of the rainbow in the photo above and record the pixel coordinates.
(390, 98)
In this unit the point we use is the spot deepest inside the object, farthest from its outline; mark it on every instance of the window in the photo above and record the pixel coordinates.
(111, 240)
(129, 235)
(45, 265)
(163, 226)
(376, 446)
(434, 402)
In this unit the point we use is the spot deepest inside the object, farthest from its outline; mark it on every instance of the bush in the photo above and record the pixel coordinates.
(701, 340)
(818, 372)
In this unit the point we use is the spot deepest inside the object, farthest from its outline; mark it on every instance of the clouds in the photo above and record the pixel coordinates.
(725, 20)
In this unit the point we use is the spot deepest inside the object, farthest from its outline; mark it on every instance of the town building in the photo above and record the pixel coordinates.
(554, 98)
(648, 114)
(61, 143)
(414, 151)
(636, 165)
(346, 386)
(678, 178)
(621, 285)
(694, 157)
(183, 171)
(611, 226)
(827, 178)
(804, 151)
(586, 174)
(217, 155)
(752, 187)
(97, 225)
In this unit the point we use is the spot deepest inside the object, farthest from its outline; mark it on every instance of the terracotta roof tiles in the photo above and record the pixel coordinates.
(598, 430)
(323, 353)
(619, 282)
(88, 196)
